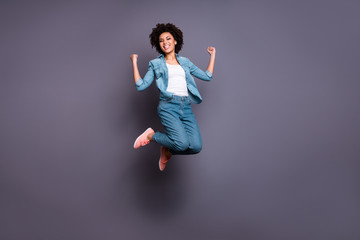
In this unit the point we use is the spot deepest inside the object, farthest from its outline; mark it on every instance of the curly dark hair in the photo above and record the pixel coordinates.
(168, 27)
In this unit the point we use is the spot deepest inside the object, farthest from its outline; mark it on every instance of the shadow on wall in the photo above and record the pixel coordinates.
(155, 193)
(158, 194)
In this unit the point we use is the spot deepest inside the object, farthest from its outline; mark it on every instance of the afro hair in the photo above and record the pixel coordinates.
(168, 27)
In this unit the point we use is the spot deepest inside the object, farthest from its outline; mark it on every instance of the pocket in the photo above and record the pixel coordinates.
(164, 101)
(158, 72)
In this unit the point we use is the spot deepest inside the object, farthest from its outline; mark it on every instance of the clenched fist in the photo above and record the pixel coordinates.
(211, 51)
(133, 57)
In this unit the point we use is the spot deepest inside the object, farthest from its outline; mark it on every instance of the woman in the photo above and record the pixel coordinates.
(177, 91)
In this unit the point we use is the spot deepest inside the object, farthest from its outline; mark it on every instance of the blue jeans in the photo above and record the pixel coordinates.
(182, 131)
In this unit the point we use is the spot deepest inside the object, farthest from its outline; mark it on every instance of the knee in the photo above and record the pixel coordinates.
(181, 145)
(196, 148)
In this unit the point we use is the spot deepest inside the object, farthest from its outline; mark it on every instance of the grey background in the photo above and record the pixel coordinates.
(279, 120)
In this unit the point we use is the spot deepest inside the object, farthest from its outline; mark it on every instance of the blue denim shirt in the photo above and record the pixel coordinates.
(157, 69)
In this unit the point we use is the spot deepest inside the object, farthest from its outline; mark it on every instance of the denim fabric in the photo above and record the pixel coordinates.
(157, 69)
(182, 131)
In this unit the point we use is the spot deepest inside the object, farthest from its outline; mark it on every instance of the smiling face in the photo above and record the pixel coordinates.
(167, 42)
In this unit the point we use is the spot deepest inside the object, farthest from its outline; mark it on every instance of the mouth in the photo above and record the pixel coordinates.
(166, 47)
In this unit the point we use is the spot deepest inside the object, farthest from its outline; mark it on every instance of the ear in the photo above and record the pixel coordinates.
(175, 42)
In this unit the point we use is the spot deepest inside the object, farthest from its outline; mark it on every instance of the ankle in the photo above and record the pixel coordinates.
(167, 153)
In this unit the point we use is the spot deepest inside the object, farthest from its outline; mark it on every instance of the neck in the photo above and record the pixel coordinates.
(170, 56)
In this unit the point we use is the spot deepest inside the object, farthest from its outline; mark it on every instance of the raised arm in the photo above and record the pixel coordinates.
(136, 73)
(212, 52)
(142, 83)
(207, 75)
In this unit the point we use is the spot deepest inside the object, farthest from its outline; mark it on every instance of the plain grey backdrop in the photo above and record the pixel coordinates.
(279, 121)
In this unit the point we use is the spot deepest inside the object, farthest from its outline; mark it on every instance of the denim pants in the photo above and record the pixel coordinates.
(182, 130)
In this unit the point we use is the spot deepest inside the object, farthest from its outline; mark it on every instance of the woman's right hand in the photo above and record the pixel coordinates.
(133, 57)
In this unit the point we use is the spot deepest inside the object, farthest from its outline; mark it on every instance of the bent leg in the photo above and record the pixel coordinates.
(175, 138)
(193, 131)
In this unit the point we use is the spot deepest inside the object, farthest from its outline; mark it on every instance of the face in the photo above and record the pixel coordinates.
(167, 42)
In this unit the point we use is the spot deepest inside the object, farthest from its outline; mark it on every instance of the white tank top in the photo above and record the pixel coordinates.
(176, 82)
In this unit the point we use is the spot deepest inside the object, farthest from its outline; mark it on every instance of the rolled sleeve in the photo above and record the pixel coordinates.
(139, 82)
(209, 74)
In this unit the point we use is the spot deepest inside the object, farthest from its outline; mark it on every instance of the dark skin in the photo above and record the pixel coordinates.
(167, 44)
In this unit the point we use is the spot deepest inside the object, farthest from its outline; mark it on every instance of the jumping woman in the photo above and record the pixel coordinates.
(177, 91)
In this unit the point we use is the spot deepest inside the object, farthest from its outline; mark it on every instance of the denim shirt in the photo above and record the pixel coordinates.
(158, 70)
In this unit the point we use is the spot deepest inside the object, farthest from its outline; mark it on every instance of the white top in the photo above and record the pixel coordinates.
(177, 82)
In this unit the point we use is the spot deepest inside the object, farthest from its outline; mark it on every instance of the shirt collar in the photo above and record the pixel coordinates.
(162, 55)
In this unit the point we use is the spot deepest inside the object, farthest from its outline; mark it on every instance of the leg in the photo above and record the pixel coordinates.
(176, 138)
(193, 131)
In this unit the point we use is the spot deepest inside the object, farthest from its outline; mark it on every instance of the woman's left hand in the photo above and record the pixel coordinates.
(211, 51)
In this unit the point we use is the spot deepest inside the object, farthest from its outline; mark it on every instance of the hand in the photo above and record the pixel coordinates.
(134, 57)
(211, 51)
